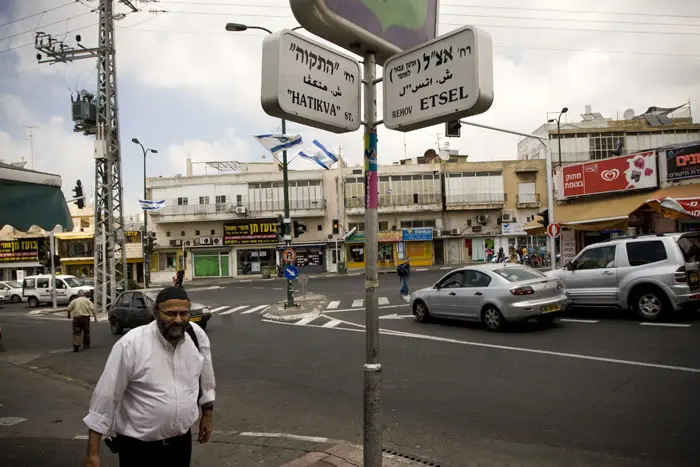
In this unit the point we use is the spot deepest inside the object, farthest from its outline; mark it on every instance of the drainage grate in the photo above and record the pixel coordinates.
(411, 457)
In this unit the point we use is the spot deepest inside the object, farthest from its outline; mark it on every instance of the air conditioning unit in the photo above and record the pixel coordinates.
(240, 210)
(455, 231)
(476, 228)
(205, 240)
(217, 241)
(507, 217)
(188, 242)
(482, 219)
(437, 233)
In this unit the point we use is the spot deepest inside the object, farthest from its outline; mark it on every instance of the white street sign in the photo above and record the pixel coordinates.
(309, 83)
(448, 78)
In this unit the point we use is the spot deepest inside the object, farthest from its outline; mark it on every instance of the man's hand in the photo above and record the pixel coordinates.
(205, 426)
(92, 460)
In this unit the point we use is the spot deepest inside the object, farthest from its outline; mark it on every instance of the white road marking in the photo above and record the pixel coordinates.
(421, 269)
(9, 421)
(313, 439)
(305, 321)
(395, 316)
(362, 309)
(387, 332)
(253, 310)
(667, 325)
(233, 310)
(571, 320)
(383, 301)
(34, 312)
(333, 305)
(80, 437)
(445, 269)
(216, 310)
(331, 324)
(358, 303)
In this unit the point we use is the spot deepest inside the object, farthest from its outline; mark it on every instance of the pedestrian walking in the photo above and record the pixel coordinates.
(404, 272)
(155, 381)
(80, 310)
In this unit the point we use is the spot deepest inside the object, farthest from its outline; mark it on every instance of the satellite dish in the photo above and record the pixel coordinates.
(629, 114)
(444, 155)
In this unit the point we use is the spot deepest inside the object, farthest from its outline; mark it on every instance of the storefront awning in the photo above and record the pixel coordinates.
(613, 213)
(72, 236)
(535, 226)
(29, 198)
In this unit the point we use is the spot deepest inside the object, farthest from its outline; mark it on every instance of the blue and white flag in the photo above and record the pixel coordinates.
(278, 143)
(148, 205)
(320, 155)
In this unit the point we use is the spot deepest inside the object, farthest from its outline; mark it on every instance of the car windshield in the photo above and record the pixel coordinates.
(14, 285)
(519, 274)
(72, 281)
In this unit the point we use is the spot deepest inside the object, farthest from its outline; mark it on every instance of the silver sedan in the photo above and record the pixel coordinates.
(494, 294)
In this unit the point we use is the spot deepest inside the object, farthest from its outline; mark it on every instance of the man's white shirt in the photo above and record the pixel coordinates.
(148, 389)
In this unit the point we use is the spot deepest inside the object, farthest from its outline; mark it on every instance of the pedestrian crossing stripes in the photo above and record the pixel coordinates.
(253, 310)
(232, 310)
(333, 305)
(358, 303)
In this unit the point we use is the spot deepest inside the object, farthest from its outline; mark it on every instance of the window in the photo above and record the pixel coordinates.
(406, 224)
(196, 232)
(519, 274)
(453, 281)
(42, 283)
(239, 199)
(221, 203)
(320, 227)
(182, 201)
(139, 301)
(167, 234)
(383, 226)
(60, 284)
(641, 253)
(213, 232)
(527, 192)
(476, 279)
(357, 254)
(182, 233)
(360, 226)
(690, 246)
(171, 261)
(203, 200)
(124, 299)
(596, 258)
(475, 188)
(84, 223)
(73, 282)
(417, 224)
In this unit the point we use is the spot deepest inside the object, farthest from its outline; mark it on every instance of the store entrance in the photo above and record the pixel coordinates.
(252, 261)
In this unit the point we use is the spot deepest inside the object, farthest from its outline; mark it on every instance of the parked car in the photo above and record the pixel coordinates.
(38, 289)
(651, 274)
(494, 294)
(133, 309)
(11, 291)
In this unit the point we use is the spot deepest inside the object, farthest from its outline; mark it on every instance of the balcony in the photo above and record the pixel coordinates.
(229, 211)
(465, 201)
(528, 201)
(397, 203)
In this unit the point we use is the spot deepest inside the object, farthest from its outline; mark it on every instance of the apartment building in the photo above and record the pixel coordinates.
(224, 225)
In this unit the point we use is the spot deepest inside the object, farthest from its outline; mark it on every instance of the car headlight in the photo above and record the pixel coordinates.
(207, 310)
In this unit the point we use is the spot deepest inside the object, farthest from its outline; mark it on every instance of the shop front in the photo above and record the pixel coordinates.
(390, 249)
(418, 245)
(20, 258)
(211, 263)
(311, 258)
(255, 245)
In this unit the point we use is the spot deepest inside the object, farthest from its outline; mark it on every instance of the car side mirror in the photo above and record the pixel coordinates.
(437, 286)
(570, 266)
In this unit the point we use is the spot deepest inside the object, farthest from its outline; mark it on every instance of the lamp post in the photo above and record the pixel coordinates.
(558, 121)
(146, 257)
(238, 27)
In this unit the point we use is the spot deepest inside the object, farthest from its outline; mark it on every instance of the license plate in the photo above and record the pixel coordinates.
(551, 308)
(196, 319)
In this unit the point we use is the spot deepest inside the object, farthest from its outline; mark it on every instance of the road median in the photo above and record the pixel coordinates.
(306, 306)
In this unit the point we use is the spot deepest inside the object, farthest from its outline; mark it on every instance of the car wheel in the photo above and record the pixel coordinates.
(117, 330)
(16, 298)
(33, 302)
(420, 311)
(492, 318)
(650, 304)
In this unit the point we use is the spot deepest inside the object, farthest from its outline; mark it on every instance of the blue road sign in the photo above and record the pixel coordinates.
(291, 272)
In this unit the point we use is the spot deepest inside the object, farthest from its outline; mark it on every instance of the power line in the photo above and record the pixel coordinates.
(32, 43)
(669, 33)
(46, 25)
(37, 14)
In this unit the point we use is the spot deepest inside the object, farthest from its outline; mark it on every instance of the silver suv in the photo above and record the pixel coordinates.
(651, 274)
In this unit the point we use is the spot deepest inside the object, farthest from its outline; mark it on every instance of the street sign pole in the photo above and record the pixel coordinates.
(550, 203)
(287, 221)
(372, 439)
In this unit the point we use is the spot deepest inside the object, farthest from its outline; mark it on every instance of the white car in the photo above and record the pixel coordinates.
(12, 291)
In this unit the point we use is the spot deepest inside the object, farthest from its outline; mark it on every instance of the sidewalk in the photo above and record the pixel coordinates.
(41, 426)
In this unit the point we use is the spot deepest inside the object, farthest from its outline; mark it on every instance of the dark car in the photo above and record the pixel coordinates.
(133, 309)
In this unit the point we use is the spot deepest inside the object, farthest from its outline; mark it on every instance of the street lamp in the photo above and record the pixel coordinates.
(558, 120)
(146, 258)
(238, 27)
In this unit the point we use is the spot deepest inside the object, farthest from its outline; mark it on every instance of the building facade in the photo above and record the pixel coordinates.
(224, 225)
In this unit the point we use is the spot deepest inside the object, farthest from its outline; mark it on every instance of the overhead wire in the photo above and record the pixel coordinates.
(32, 43)
(46, 25)
(16, 20)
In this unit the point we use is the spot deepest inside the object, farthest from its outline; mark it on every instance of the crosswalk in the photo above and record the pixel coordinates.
(358, 304)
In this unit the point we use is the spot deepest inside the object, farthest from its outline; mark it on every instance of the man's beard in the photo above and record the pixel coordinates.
(171, 331)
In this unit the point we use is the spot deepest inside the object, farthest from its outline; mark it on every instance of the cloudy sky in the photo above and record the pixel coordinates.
(187, 87)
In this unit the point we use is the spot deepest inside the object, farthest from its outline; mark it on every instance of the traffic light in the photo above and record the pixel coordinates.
(279, 228)
(79, 197)
(453, 129)
(545, 217)
(336, 227)
(150, 243)
(299, 229)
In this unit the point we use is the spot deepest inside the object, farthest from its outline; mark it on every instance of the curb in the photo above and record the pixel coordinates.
(275, 317)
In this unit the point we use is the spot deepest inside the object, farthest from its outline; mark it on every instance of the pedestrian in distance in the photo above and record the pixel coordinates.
(404, 272)
(80, 310)
(156, 380)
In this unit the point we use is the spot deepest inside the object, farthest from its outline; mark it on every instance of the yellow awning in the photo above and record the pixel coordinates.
(613, 213)
(535, 226)
(74, 236)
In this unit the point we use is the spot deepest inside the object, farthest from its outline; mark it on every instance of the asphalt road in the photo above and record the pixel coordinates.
(599, 390)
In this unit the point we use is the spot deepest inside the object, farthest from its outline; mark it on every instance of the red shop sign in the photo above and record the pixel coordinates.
(691, 205)
(624, 173)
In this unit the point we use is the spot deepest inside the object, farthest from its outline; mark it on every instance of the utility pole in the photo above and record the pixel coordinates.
(287, 220)
(104, 123)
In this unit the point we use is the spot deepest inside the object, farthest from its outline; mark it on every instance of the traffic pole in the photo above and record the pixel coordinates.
(52, 251)
(552, 242)
(372, 439)
(287, 231)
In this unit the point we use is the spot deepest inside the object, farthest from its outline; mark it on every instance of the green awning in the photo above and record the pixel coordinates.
(29, 198)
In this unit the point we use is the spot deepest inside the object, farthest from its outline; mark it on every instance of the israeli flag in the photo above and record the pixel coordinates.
(320, 155)
(148, 205)
(278, 143)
